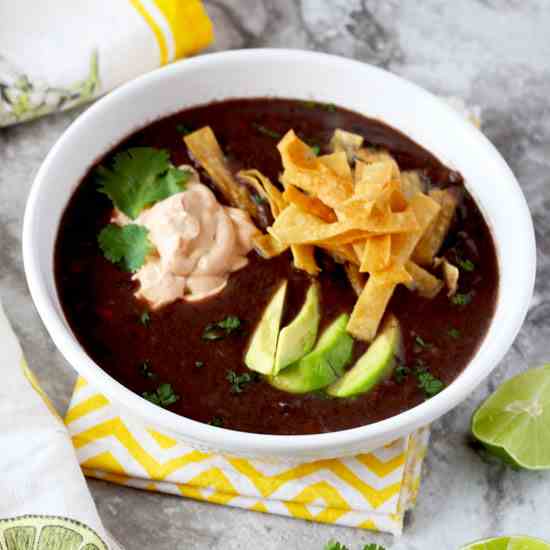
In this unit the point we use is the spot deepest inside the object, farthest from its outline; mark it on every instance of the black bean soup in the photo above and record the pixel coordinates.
(166, 346)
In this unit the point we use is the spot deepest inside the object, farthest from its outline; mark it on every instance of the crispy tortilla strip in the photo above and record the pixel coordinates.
(423, 282)
(411, 183)
(394, 274)
(377, 173)
(450, 275)
(403, 244)
(347, 142)
(369, 309)
(312, 205)
(431, 242)
(265, 188)
(356, 279)
(376, 254)
(304, 258)
(338, 163)
(268, 246)
(372, 154)
(360, 215)
(205, 149)
(316, 175)
(293, 226)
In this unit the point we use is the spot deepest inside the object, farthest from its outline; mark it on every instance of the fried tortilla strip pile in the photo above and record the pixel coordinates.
(357, 206)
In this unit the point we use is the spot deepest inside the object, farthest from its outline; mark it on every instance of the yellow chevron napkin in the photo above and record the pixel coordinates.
(70, 51)
(369, 491)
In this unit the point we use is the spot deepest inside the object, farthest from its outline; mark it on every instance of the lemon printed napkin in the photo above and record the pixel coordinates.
(370, 491)
(70, 51)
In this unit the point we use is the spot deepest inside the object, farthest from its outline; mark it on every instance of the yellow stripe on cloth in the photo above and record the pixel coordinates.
(367, 491)
(191, 28)
(153, 25)
(187, 20)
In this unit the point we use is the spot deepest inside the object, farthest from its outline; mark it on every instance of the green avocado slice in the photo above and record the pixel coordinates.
(298, 338)
(374, 365)
(323, 365)
(260, 356)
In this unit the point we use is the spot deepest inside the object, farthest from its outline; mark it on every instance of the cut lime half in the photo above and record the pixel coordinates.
(508, 543)
(514, 423)
(47, 533)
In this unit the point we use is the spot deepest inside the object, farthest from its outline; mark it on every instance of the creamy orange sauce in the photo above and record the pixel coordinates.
(198, 243)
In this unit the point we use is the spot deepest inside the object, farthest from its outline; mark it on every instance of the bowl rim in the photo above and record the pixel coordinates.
(404, 422)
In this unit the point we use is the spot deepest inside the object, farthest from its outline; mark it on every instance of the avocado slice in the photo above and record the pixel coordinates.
(260, 356)
(321, 366)
(374, 365)
(298, 338)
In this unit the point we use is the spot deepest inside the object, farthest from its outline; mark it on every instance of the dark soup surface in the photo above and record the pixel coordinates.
(189, 356)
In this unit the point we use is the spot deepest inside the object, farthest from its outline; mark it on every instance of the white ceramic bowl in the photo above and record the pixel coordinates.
(288, 74)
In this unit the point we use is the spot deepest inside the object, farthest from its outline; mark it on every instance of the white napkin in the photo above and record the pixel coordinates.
(39, 471)
(54, 55)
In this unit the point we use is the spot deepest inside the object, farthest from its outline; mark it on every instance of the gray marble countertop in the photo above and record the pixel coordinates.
(493, 53)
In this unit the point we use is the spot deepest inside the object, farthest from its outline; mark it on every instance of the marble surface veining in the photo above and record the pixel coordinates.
(494, 53)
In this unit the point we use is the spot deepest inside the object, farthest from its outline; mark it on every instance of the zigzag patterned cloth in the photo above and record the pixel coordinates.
(369, 491)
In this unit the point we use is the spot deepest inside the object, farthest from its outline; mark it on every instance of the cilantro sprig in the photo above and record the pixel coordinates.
(139, 177)
(221, 329)
(127, 246)
(163, 396)
(334, 545)
(239, 382)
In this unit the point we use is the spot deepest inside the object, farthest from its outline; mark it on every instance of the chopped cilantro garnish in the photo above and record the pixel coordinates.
(221, 329)
(127, 246)
(238, 382)
(145, 318)
(267, 132)
(429, 383)
(216, 421)
(316, 149)
(400, 373)
(183, 129)
(420, 343)
(258, 199)
(330, 107)
(146, 371)
(199, 364)
(460, 299)
(140, 177)
(466, 265)
(454, 333)
(163, 396)
(310, 104)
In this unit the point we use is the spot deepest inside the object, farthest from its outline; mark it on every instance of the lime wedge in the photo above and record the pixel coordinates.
(508, 543)
(47, 533)
(513, 423)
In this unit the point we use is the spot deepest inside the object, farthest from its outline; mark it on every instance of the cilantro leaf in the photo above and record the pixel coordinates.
(460, 299)
(146, 371)
(238, 382)
(140, 177)
(127, 246)
(466, 265)
(429, 383)
(373, 546)
(316, 149)
(145, 318)
(221, 329)
(267, 131)
(163, 396)
(400, 373)
(216, 421)
(454, 333)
